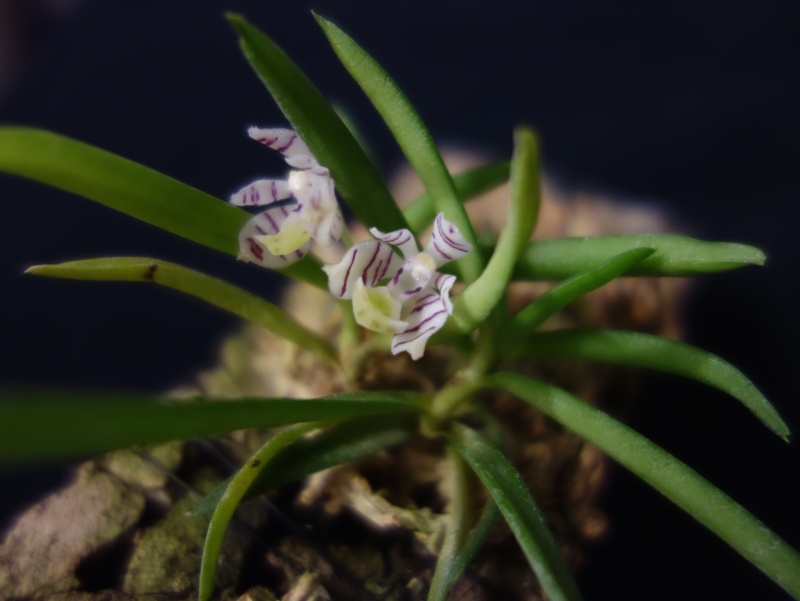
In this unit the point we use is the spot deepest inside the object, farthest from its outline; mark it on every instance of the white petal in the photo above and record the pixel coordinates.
(290, 145)
(317, 206)
(285, 141)
(426, 317)
(412, 277)
(376, 309)
(443, 283)
(252, 248)
(369, 261)
(262, 192)
(402, 239)
(446, 243)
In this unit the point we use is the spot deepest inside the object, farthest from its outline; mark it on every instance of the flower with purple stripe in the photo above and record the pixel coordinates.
(299, 209)
(395, 288)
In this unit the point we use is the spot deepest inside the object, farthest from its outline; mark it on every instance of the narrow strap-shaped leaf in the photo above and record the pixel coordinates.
(481, 530)
(336, 445)
(474, 304)
(212, 290)
(569, 290)
(560, 258)
(122, 185)
(450, 567)
(357, 179)
(446, 572)
(233, 494)
(672, 478)
(469, 184)
(411, 134)
(654, 352)
(508, 490)
(36, 426)
(351, 124)
(476, 538)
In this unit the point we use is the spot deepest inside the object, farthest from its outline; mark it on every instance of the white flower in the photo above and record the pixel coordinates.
(415, 301)
(282, 233)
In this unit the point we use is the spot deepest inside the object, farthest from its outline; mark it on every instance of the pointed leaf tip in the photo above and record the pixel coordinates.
(410, 133)
(235, 19)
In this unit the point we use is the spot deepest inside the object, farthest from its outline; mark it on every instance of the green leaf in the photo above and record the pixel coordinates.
(122, 185)
(446, 572)
(351, 124)
(476, 538)
(234, 492)
(36, 426)
(336, 445)
(567, 291)
(473, 305)
(411, 134)
(328, 138)
(654, 352)
(560, 258)
(469, 184)
(217, 292)
(675, 480)
(508, 490)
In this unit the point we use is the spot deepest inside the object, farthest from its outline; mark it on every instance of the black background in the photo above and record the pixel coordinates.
(691, 105)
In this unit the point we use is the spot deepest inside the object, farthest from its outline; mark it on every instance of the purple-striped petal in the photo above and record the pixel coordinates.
(443, 283)
(290, 145)
(413, 277)
(446, 243)
(402, 239)
(426, 316)
(252, 248)
(262, 192)
(371, 261)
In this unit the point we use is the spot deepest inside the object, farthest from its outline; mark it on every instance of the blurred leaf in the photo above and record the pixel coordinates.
(217, 292)
(336, 445)
(560, 258)
(356, 178)
(477, 537)
(509, 491)
(411, 134)
(351, 124)
(532, 316)
(458, 516)
(473, 305)
(675, 480)
(469, 184)
(36, 426)
(654, 352)
(229, 501)
(123, 185)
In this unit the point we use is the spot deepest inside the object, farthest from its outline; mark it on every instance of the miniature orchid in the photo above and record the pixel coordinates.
(282, 234)
(415, 302)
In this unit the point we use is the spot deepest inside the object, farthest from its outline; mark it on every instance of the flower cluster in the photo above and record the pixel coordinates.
(414, 303)
(282, 233)
(395, 288)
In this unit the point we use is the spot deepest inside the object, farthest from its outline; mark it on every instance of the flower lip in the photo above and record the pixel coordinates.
(376, 309)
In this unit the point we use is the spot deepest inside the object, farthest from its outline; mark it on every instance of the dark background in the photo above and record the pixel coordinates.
(691, 105)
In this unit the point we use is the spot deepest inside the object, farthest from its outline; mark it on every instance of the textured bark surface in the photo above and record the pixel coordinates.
(125, 529)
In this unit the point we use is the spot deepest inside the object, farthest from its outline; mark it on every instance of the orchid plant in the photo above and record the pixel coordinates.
(406, 296)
